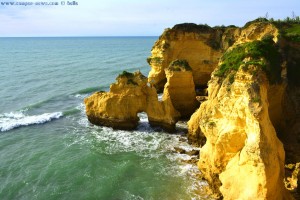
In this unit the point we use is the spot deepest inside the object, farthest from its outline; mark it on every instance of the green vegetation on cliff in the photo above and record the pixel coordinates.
(292, 32)
(131, 77)
(179, 65)
(289, 28)
(262, 54)
(191, 27)
(126, 74)
(156, 60)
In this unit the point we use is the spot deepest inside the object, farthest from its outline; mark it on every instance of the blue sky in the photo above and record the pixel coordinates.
(132, 17)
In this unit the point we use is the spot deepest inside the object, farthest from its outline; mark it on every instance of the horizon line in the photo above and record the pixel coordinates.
(77, 36)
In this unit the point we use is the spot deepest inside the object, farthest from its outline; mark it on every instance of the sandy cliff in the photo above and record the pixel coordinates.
(198, 44)
(243, 157)
(180, 88)
(129, 96)
(249, 125)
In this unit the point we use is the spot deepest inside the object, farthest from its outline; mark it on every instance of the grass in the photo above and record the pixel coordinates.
(179, 65)
(156, 60)
(126, 74)
(191, 27)
(129, 77)
(292, 33)
(231, 78)
(256, 99)
(263, 54)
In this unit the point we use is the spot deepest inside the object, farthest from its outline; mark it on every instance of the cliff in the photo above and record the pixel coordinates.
(180, 88)
(245, 114)
(199, 45)
(129, 96)
(248, 128)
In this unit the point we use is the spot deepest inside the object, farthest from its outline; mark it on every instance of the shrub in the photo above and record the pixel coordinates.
(126, 74)
(231, 78)
(256, 99)
(130, 81)
(156, 60)
(263, 54)
(179, 65)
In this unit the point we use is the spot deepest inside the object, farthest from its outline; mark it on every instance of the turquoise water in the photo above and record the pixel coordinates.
(48, 149)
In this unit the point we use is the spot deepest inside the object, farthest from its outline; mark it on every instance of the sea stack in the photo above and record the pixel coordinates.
(247, 127)
(129, 96)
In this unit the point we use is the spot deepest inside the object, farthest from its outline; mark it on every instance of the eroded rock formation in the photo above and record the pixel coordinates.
(129, 96)
(243, 157)
(253, 99)
(180, 88)
(202, 47)
(198, 44)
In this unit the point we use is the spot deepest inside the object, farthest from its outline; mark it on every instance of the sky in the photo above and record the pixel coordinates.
(131, 17)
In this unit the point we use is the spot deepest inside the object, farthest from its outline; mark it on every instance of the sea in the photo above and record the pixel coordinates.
(49, 150)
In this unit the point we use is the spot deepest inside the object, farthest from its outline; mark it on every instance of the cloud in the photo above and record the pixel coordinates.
(132, 17)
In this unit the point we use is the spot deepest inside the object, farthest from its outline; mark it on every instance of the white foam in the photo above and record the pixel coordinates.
(160, 96)
(149, 143)
(13, 120)
(81, 96)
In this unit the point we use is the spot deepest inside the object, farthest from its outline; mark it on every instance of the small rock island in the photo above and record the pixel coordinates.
(239, 89)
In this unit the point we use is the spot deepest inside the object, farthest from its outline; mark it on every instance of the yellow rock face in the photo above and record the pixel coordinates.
(180, 89)
(257, 31)
(129, 96)
(201, 46)
(187, 43)
(242, 157)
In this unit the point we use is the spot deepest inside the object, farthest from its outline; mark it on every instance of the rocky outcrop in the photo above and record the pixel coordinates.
(180, 88)
(199, 45)
(242, 157)
(253, 99)
(233, 37)
(129, 96)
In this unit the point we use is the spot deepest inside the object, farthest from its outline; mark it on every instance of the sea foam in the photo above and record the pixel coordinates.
(13, 120)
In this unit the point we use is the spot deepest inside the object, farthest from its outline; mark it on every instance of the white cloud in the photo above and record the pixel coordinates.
(132, 17)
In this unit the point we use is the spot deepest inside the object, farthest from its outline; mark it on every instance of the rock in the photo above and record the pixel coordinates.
(242, 157)
(195, 135)
(182, 139)
(199, 45)
(180, 88)
(129, 96)
(253, 99)
(193, 152)
(292, 180)
(179, 150)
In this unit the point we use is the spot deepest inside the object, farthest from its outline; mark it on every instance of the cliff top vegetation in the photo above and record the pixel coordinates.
(263, 54)
(179, 65)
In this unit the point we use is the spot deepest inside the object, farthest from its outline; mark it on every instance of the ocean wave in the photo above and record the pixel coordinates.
(71, 112)
(9, 121)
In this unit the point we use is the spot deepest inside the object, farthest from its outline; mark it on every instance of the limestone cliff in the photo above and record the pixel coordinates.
(129, 96)
(180, 88)
(253, 101)
(201, 46)
(242, 157)
(198, 44)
